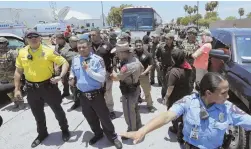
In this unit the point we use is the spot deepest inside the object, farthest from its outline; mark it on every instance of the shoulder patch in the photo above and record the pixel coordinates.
(123, 69)
(56, 53)
(237, 110)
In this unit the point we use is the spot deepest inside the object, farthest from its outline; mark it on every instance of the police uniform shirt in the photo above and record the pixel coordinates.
(163, 55)
(145, 58)
(104, 50)
(132, 69)
(93, 77)
(211, 130)
(40, 68)
(182, 82)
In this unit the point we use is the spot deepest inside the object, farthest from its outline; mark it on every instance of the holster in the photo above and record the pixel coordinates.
(125, 88)
(227, 140)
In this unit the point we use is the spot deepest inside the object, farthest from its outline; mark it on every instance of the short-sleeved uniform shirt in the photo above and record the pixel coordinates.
(104, 50)
(211, 131)
(40, 68)
(145, 58)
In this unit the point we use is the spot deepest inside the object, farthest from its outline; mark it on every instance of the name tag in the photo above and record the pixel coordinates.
(194, 134)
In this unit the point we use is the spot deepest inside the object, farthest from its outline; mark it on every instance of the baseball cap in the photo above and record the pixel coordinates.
(31, 33)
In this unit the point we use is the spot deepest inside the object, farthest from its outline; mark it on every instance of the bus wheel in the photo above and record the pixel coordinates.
(239, 140)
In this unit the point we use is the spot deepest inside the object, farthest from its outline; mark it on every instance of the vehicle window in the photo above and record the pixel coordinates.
(243, 44)
(15, 43)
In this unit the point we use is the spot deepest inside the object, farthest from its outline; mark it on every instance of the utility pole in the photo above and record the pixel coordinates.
(103, 14)
(197, 14)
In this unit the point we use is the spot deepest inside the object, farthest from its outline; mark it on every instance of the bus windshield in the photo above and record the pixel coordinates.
(138, 19)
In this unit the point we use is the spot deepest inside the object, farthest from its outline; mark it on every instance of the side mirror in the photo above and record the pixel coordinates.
(219, 54)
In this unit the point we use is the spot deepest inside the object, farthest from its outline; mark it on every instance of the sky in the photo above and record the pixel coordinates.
(167, 10)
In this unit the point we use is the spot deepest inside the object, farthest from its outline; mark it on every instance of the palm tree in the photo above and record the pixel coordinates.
(241, 12)
(195, 8)
(208, 7)
(190, 10)
(185, 8)
(214, 4)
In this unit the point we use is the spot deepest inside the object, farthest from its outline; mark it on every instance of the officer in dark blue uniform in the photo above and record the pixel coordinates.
(89, 70)
(206, 116)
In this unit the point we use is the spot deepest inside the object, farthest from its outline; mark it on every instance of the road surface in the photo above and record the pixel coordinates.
(19, 128)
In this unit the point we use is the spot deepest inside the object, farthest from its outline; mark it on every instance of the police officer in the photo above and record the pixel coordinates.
(89, 70)
(129, 74)
(164, 60)
(62, 47)
(206, 115)
(146, 60)
(36, 61)
(103, 49)
(7, 69)
(155, 42)
(69, 56)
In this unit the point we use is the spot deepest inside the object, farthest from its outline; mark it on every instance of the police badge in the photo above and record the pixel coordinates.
(221, 117)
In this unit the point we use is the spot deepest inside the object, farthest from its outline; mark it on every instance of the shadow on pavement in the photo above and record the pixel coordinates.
(12, 108)
(118, 114)
(143, 109)
(55, 138)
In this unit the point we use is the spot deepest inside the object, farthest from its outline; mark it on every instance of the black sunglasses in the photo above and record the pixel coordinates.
(32, 36)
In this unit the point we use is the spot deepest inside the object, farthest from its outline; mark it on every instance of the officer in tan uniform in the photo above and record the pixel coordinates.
(7, 69)
(146, 60)
(131, 69)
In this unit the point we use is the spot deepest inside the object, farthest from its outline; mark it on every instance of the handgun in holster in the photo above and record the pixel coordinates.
(227, 140)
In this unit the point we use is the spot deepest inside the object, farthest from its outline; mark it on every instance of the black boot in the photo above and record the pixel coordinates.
(95, 139)
(117, 144)
(39, 139)
(65, 135)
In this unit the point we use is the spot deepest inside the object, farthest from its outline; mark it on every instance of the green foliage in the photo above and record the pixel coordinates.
(231, 18)
(249, 15)
(115, 14)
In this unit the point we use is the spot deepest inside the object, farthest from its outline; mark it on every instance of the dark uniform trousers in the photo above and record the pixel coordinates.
(49, 93)
(164, 72)
(96, 111)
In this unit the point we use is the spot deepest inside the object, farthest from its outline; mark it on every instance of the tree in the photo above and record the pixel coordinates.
(185, 21)
(178, 20)
(241, 12)
(195, 8)
(231, 18)
(190, 10)
(249, 15)
(208, 7)
(115, 15)
(214, 4)
(185, 8)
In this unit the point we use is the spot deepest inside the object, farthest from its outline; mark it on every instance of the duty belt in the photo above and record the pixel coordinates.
(91, 94)
(190, 146)
(36, 84)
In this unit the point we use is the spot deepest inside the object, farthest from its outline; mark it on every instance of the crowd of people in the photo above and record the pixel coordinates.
(88, 67)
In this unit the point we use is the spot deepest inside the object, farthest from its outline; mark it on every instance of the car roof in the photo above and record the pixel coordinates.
(10, 35)
(233, 31)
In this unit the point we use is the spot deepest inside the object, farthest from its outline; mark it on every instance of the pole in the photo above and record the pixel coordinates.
(103, 14)
(197, 14)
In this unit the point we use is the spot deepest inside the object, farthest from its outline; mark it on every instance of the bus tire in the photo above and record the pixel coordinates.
(240, 138)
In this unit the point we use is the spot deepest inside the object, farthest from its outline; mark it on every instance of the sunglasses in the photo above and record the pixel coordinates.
(32, 36)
